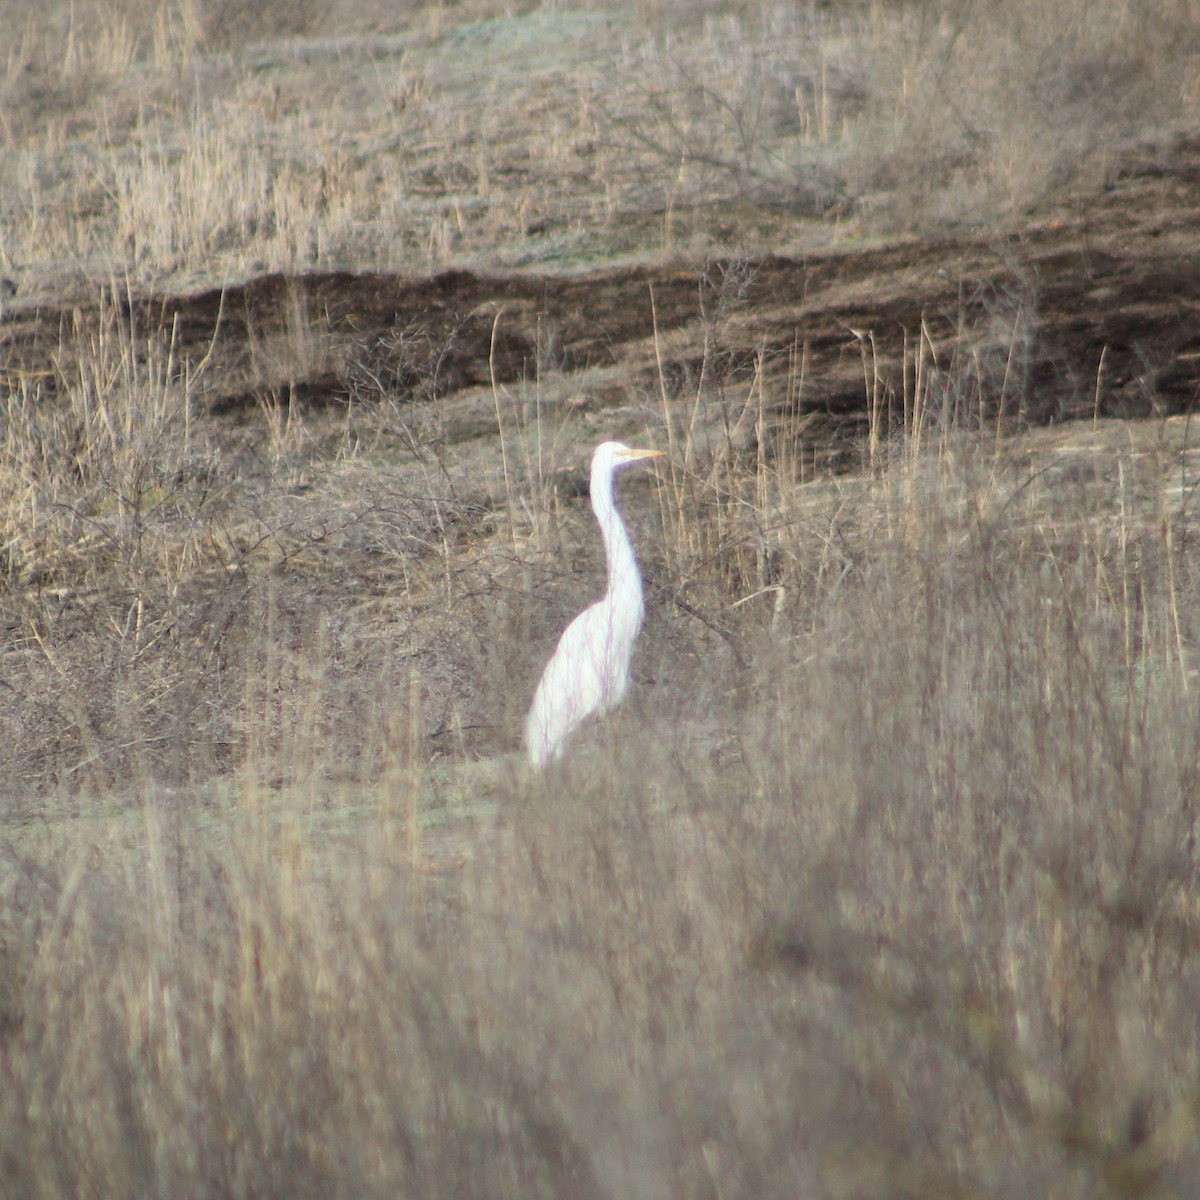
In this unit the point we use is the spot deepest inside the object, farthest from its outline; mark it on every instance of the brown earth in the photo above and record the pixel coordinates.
(1102, 302)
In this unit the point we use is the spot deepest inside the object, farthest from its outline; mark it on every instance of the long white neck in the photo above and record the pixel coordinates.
(622, 567)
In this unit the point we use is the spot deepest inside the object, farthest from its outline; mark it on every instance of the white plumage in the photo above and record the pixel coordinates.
(589, 671)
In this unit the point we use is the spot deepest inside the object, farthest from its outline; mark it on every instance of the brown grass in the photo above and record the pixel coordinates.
(884, 881)
(140, 141)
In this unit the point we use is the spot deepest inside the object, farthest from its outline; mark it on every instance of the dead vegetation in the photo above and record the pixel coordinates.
(183, 142)
(884, 883)
(899, 894)
(885, 879)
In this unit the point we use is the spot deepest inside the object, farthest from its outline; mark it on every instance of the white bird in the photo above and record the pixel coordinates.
(589, 671)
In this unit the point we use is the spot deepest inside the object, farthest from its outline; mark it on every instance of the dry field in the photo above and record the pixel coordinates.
(886, 880)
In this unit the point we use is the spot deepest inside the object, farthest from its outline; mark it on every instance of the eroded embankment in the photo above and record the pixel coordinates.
(1095, 311)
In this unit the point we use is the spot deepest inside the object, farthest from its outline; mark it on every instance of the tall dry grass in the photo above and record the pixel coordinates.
(186, 141)
(884, 882)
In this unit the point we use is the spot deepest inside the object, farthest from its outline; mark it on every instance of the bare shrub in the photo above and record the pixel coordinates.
(978, 111)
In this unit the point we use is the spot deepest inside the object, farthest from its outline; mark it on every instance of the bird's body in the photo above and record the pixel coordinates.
(589, 671)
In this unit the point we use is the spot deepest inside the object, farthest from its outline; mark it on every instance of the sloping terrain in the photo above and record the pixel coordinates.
(1095, 312)
(883, 882)
(479, 388)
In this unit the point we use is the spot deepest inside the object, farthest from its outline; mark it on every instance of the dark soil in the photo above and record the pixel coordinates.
(1093, 312)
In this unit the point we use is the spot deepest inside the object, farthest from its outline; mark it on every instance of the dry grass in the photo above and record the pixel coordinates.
(884, 883)
(138, 142)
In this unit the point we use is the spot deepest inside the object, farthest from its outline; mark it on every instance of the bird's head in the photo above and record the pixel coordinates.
(611, 455)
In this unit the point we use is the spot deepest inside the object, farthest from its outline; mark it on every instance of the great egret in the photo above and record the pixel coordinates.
(589, 670)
